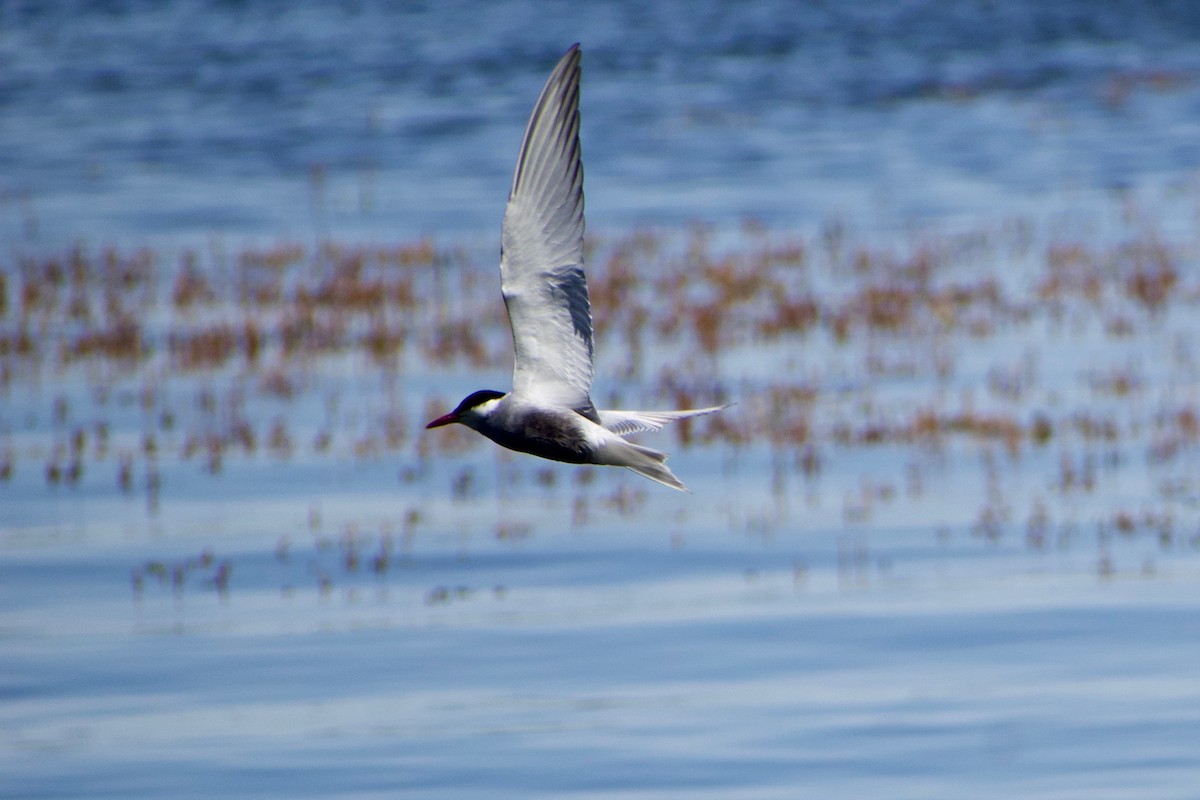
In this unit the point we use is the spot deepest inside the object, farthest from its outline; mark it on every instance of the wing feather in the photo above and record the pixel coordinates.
(627, 423)
(541, 261)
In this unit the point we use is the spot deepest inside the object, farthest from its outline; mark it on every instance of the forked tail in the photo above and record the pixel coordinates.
(651, 464)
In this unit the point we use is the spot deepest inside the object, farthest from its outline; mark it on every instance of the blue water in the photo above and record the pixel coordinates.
(185, 120)
(549, 632)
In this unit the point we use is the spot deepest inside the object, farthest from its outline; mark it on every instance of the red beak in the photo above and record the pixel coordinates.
(446, 419)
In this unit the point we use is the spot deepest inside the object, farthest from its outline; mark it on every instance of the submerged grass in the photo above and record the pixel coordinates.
(1069, 362)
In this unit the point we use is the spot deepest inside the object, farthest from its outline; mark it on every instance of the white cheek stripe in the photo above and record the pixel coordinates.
(487, 406)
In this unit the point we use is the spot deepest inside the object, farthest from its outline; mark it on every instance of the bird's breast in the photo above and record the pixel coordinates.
(549, 433)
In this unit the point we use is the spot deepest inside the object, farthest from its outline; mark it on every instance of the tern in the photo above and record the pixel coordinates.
(549, 412)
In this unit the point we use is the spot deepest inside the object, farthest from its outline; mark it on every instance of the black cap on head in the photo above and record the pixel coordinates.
(477, 399)
(472, 400)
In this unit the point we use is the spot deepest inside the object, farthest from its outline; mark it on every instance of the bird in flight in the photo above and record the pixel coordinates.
(549, 412)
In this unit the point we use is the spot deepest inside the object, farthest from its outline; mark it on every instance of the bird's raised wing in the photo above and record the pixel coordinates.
(541, 261)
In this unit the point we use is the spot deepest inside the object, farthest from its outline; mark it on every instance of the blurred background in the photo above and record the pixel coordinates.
(943, 257)
(188, 120)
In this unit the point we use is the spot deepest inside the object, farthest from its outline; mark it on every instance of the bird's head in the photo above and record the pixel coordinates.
(475, 407)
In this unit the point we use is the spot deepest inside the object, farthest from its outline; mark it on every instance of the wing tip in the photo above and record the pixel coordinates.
(562, 85)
